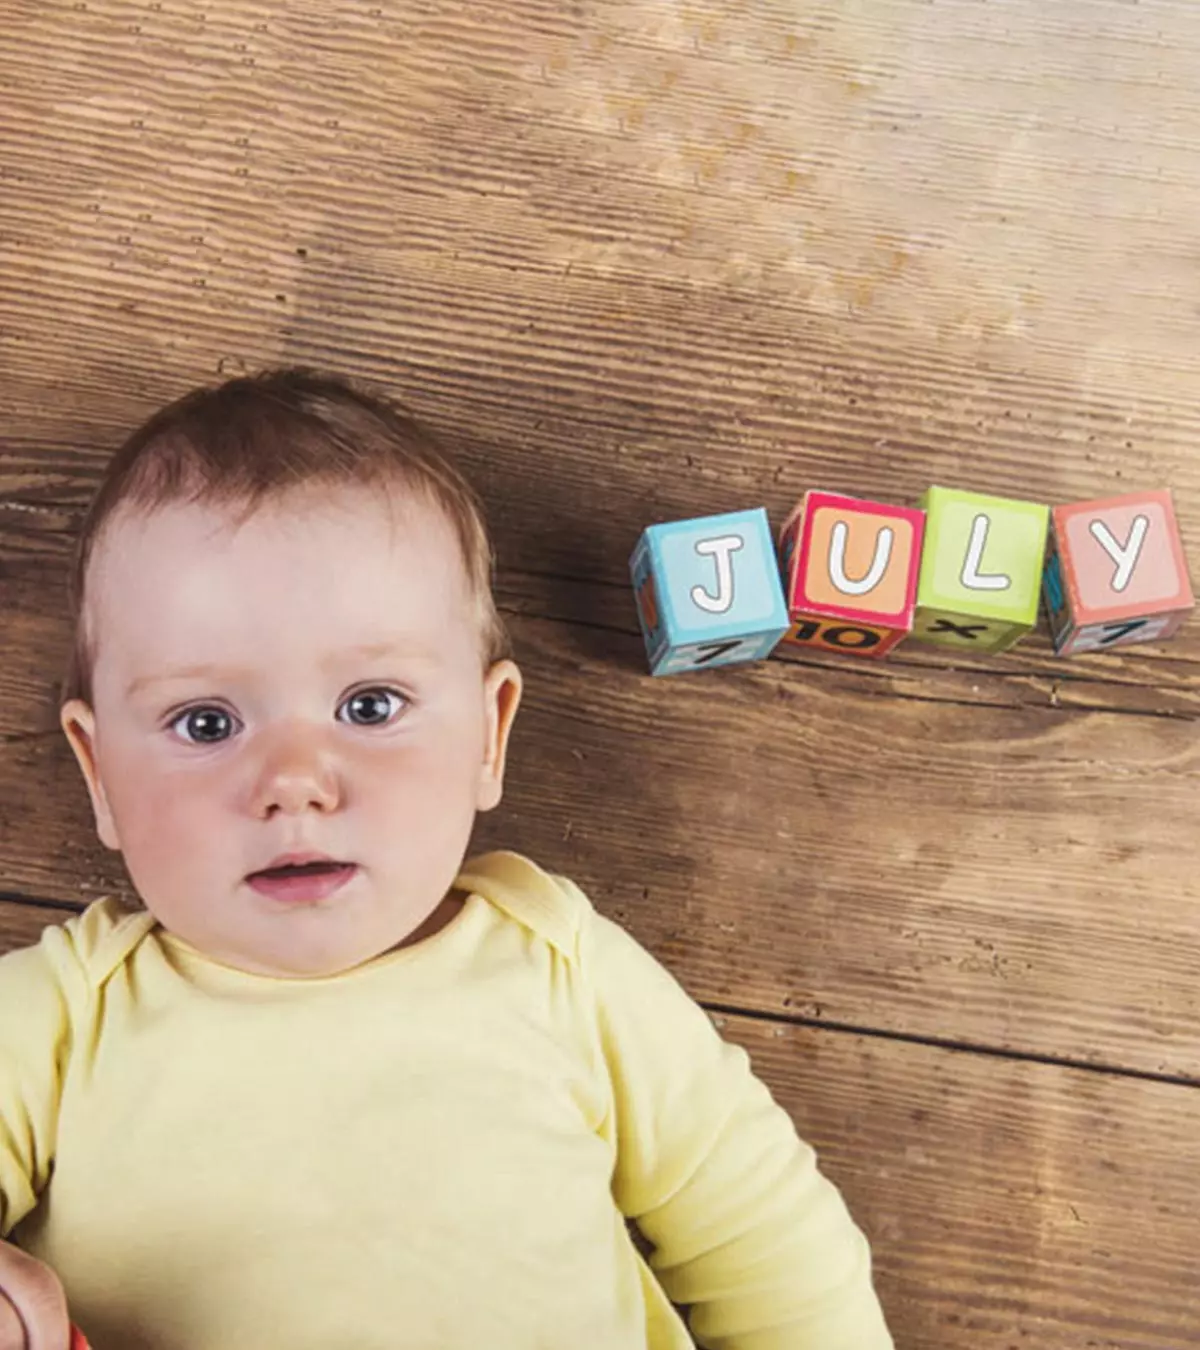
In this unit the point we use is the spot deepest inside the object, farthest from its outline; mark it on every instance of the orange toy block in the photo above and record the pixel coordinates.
(1115, 573)
(850, 571)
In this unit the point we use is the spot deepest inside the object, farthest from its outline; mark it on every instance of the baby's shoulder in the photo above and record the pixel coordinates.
(98, 939)
(552, 907)
(68, 963)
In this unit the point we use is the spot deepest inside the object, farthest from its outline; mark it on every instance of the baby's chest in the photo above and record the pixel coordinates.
(273, 1173)
(451, 1114)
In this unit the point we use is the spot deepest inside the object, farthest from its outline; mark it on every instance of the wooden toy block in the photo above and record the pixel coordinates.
(708, 592)
(981, 569)
(850, 571)
(1116, 573)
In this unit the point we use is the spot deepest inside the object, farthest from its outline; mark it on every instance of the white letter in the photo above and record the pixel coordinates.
(970, 573)
(721, 550)
(1125, 557)
(837, 560)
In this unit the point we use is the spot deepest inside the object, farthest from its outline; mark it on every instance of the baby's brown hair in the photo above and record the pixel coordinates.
(252, 439)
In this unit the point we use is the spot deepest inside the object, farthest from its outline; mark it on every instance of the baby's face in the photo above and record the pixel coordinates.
(295, 737)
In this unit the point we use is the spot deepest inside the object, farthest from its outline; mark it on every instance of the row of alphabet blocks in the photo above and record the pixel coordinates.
(959, 570)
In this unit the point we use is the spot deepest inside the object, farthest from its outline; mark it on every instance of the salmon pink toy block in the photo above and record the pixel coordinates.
(78, 1340)
(981, 571)
(708, 592)
(1116, 573)
(850, 573)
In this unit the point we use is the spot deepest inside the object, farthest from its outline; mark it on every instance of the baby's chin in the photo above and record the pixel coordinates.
(318, 950)
(300, 960)
(312, 941)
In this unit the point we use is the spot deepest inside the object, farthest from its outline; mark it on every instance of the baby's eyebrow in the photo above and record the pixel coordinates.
(366, 651)
(187, 673)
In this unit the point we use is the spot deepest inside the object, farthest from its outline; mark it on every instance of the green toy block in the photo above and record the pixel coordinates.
(981, 569)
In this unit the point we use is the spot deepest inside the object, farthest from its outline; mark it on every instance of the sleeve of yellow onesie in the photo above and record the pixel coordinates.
(34, 1040)
(746, 1230)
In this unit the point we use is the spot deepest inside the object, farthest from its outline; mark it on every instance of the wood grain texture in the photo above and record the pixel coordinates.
(1009, 877)
(1008, 1204)
(890, 246)
(648, 259)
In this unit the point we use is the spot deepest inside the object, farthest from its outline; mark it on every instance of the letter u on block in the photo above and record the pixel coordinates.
(884, 540)
(851, 571)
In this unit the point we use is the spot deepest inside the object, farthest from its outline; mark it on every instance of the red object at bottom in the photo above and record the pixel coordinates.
(78, 1340)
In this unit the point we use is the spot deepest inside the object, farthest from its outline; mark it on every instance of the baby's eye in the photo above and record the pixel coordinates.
(370, 708)
(204, 725)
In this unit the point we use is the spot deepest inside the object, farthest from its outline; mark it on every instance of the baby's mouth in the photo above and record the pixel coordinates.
(302, 882)
(301, 869)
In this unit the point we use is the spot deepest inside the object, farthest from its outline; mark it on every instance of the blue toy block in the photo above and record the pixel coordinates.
(708, 592)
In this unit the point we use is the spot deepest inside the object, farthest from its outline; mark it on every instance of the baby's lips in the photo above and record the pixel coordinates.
(78, 1339)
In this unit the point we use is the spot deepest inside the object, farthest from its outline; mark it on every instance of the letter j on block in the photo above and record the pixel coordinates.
(981, 571)
(708, 592)
(1116, 573)
(850, 573)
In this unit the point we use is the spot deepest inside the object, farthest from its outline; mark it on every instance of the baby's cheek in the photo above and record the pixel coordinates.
(422, 801)
(164, 828)
(418, 784)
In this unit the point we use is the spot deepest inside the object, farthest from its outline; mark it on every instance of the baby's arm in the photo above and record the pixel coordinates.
(34, 1037)
(746, 1230)
(34, 1040)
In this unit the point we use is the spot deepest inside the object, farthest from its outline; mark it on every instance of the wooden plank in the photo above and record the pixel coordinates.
(21, 923)
(794, 843)
(1009, 877)
(1140, 680)
(992, 1225)
(722, 253)
(1008, 1203)
(701, 446)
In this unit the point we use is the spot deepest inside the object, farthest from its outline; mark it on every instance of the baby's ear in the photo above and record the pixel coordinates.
(502, 695)
(79, 724)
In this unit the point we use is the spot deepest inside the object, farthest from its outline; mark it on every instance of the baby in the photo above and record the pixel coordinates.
(335, 1087)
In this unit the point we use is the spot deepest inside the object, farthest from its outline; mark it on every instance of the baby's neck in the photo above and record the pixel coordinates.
(450, 908)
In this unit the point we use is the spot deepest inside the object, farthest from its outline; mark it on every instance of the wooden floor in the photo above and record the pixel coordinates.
(646, 259)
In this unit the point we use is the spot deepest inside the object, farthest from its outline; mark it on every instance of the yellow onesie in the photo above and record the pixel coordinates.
(437, 1150)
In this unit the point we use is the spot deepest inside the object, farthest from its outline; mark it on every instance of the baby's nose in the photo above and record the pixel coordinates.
(298, 772)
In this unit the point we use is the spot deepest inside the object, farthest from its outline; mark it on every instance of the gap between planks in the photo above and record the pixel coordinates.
(954, 1047)
(815, 1024)
(919, 665)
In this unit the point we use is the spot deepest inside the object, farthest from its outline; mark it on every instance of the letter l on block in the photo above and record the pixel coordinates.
(972, 579)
